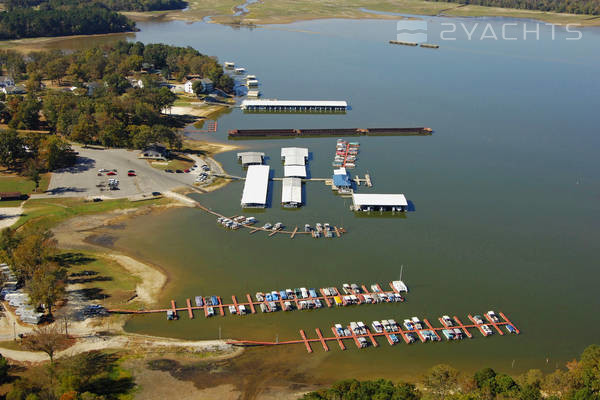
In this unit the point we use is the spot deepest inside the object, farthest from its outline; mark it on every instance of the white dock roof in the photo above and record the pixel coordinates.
(340, 171)
(291, 191)
(380, 200)
(296, 171)
(256, 186)
(294, 155)
(293, 103)
(251, 157)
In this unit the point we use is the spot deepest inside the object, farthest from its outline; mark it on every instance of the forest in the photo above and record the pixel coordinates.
(17, 23)
(115, 5)
(580, 380)
(94, 102)
(589, 7)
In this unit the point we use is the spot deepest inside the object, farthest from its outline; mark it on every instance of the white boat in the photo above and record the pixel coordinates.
(493, 316)
(486, 330)
(377, 326)
(417, 323)
(447, 320)
(408, 324)
(232, 309)
(400, 286)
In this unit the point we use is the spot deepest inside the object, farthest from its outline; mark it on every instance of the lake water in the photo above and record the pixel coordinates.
(506, 193)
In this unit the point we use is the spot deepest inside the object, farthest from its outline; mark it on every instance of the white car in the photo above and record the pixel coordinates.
(102, 170)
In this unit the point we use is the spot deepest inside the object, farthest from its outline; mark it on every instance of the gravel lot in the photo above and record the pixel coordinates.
(82, 180)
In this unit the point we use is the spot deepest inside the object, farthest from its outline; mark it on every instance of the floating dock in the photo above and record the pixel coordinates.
(404, 43)
(429, 333)
(356, 296)
(267, 105)
(283, 133)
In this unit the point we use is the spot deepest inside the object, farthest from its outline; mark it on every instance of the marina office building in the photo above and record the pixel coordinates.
(256, 187)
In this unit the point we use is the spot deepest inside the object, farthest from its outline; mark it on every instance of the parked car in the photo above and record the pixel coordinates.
(205, 167)
(156, 193)
(102, 170)
(170, 171)
(187, 171)
(111, 173)
(178, 171)
(131, 174)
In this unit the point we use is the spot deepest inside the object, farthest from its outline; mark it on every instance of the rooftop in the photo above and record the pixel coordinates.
(251, 157)
(380, 200)
(291, 191)
(294, 155)
(256, 186)
(298, 171)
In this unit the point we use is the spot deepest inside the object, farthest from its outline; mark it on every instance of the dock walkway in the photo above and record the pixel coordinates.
(370, 336)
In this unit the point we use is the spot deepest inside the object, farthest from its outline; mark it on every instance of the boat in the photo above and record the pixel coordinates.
(478, 319)
(386, 325)
(393, 325)
(363, 342)
(374, 288)
(447, 320)
(229, 64)
(486, 330)
(417, 323)
(199, 301)
(287, 306)
(346, 288)
(170, 315)
(307, 228)
(232, 309)
(492, 315)
(510, 328)
(210, 312)
(263, 308)
(260, 296)
(457, 333)
(362, 327)
(400, 286)
(268, 225)
(394, 338)
(277, 226)
(448, 333)
(243, 310)
(377, 326)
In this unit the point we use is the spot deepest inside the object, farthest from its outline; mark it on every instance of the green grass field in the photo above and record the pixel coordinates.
(13, 183)
(47, 213)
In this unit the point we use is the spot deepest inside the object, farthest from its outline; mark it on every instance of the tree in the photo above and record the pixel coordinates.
(85, 130)
(32, 251)
(441, 380)
(47, 339)
(47, 285)
(57, 153)
(3, 369)
(33, 172)
(11, 148)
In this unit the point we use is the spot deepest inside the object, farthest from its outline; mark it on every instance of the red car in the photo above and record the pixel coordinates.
(131, 174)
(111, 173)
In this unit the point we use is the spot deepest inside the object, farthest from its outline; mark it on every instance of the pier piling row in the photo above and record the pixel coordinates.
(370, 336)
(252, 304)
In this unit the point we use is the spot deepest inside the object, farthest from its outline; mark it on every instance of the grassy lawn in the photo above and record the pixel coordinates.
(47, 213)
(14, 183)
(179, 162)
(106, 280)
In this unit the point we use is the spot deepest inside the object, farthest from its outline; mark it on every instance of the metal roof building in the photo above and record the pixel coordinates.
(293, 105)
(295, 171)
(364, 201)
(256, 186)
(294, 155)
(341, 181)
(250, 157)
(291, 192)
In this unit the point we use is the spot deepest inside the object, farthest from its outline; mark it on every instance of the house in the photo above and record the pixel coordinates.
(188, 87)
(207, 85)
(6, 81)
(92, 87)
(155, 151)
(136, 83)
(147, 67)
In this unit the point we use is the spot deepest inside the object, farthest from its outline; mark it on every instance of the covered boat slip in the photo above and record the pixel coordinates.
(380, 202)
(256, 187)
(250, 158)
(291, 192)
(294, 155)
(294, 105)
(295, 171)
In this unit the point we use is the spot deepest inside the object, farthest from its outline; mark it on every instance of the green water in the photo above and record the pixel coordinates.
(506, 195)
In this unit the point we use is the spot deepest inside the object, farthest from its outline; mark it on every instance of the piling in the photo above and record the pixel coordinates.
(251, 303)
(375, 344)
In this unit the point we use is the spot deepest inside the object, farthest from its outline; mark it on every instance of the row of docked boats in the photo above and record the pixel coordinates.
(346, 154)
(277, 227)
(319, 230)
(236, 222)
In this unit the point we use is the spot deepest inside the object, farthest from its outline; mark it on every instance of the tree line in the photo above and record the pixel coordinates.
(76, 19)
(105, 108)
(589, 7)
(115, 5)
(580, 380)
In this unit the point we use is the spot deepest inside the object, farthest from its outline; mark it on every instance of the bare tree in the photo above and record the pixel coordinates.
(48, 339)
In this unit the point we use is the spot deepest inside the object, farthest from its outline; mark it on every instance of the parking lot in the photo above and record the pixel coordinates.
(85, 180)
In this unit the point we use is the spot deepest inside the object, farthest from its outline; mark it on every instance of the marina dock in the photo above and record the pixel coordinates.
(329, 297)
(300, 133)
(430, 333)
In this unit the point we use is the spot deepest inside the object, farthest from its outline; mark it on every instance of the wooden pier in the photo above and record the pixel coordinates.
(369, 335)
(366, 180)
(253, 304)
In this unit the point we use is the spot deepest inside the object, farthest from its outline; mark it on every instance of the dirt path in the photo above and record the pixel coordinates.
(10, 215)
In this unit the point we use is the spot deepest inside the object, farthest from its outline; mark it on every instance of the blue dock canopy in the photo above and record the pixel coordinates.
(341, 181)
